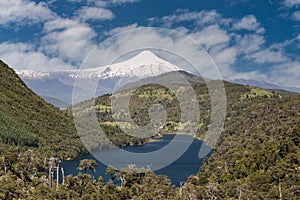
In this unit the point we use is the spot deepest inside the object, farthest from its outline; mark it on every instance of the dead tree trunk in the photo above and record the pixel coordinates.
(51, 173)
(57, 175)
(63, 175)
(280, 192)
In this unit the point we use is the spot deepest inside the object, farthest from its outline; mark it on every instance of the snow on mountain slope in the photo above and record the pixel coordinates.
(143, 65)
(32, 74)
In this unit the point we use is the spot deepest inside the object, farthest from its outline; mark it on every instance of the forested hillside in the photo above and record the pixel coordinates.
(257, 155)
(27, 121)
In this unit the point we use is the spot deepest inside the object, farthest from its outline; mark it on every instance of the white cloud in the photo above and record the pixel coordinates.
(23, 11)
(296, 15)
(225, 58)
(248, 23)
(210, 36)
(24, 56)
(291, 3)
(269, 56)
(121, 29)
(94, 13)
(68, 39)
(118, 2)
(106, 3)
(200, 18)
(182, 29)
(12, 47)
(224, 47)
(216, 41)
(249, 43)
(286, 74)
(210, 31)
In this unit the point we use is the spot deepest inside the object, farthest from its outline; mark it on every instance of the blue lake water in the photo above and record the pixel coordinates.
(178, 171)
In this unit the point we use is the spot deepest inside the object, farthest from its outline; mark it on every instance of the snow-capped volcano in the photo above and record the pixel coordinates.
(59, 84)
(143, 65)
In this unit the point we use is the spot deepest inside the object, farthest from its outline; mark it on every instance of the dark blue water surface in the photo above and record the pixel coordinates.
(189, 163)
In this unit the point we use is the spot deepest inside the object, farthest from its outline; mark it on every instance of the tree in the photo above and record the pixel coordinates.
(86, 164)
(111, 171)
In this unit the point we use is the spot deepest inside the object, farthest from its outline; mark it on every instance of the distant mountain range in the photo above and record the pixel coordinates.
(263, 84)
(57, 87)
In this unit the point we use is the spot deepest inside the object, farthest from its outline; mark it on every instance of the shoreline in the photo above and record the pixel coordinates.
(155, 138)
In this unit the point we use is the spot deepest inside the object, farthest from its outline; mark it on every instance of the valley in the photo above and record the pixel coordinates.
(257, 153)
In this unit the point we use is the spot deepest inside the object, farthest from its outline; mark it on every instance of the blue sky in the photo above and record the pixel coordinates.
(257, 39)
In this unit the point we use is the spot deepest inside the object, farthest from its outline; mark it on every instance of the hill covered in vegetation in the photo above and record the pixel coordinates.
(257, 155)
(28, 122)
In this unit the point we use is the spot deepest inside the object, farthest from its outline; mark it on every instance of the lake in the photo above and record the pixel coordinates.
(179, 171)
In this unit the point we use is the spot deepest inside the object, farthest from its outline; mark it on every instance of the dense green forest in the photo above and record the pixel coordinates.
(257, 155)
(28, 122)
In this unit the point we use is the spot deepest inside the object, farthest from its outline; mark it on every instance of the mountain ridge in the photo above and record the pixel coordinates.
(263, 84)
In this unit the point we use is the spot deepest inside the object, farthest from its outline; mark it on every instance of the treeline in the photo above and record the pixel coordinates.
(24, 177)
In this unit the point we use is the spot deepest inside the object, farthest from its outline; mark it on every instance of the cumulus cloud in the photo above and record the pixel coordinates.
(94, 13)
(211, 36)
(210, 31)
(248, 23)
(226, 44)
(118, 2)
(98, 9)
(225, 58)
(24, 12)
(200, 18)
(217, 43)
(286, 74)
(291, 3)
(249, 43)
(68, 39)
(269, 56)
(25, 56)
(106, 3)
(296, 16)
